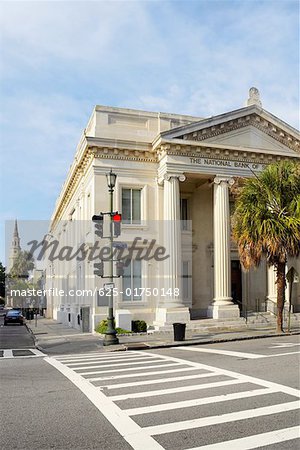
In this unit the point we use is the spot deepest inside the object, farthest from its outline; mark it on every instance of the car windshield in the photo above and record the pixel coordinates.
(13, 313)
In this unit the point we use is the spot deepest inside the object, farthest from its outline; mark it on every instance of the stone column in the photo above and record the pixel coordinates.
(172, 308)
(222, 306)
(172, 237)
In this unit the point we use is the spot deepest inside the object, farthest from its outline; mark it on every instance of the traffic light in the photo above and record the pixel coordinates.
(98, 221)
(98, 269)
(117, 218)
(119, 269)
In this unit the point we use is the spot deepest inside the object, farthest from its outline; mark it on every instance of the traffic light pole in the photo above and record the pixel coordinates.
(110, 337)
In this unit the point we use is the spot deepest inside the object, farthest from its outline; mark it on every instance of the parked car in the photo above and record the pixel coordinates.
(14, 316)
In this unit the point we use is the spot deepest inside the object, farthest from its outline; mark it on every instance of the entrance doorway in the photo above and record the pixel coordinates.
(236, 283)
(85, 318)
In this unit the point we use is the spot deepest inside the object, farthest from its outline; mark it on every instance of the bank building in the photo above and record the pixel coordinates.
(173, 188)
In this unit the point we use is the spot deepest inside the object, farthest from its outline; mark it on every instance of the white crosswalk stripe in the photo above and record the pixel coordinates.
(255, 441)
(141, 412)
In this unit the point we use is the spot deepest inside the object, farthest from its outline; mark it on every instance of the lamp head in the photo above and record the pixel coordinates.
(111, 179)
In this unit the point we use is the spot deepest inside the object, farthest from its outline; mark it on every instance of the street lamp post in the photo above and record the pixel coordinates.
(110, 335)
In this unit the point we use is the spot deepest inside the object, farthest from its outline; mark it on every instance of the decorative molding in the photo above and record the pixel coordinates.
(221, 153)
(123, 154)
(252, 119)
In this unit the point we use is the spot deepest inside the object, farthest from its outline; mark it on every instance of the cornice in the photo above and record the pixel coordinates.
(125, 144)
(122, 154)
(79, 168)
(100, 149)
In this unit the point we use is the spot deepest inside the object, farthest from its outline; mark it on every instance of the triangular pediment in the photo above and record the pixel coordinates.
(248, 128)
(248, 137)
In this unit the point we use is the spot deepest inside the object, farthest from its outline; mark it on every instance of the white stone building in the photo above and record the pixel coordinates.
(169, 167)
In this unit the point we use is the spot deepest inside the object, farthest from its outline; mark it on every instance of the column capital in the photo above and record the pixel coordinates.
(167, 176)
(223, 179)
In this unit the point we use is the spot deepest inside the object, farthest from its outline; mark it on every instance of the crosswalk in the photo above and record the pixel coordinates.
(20, 353)
(163, 402)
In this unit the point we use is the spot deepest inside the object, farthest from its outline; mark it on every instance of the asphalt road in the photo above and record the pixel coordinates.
(14, 336)
(233, 395)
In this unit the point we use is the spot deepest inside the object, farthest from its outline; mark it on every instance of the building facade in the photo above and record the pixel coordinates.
(174, 176)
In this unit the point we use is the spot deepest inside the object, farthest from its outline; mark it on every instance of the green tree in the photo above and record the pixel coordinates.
(266, 222)
(23, 264)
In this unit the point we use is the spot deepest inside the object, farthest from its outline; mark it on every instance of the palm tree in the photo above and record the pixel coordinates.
(266, 222)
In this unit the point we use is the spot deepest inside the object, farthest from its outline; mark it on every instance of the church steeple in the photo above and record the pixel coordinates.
(15, 247)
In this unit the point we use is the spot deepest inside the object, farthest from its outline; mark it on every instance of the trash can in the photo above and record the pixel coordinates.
(179, 331)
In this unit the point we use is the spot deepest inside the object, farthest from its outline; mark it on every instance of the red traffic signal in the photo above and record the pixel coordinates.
(117, 219)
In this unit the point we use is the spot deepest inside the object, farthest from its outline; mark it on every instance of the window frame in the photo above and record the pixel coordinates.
(143, 203)
(185, 225)
(132, 300)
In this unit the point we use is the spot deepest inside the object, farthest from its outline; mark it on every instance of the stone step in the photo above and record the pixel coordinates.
(207, 325)
(219, 325)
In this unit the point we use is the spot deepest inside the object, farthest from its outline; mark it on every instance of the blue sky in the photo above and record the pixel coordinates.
(59, 59)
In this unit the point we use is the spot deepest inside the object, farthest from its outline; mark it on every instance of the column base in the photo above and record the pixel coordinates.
(223, 311)
(165, 317)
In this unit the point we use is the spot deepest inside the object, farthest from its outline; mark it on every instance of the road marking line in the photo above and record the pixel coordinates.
(198, 402)
(8, 353)
(223, 418)
(144, 374)
(227, 353)
(155, 381)
(236, 354)
(37, 352)
(116, 364)
(196, 387)
(130, 431)
(283, 345)
(281, 354)
(130, 368)
(24, 348)
(86, 361)
(255, 441)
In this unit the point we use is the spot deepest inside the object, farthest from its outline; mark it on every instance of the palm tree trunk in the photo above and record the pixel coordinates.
(280, 295)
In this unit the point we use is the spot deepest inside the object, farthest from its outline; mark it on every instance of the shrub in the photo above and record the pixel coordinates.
(138, 326)
(102, 327)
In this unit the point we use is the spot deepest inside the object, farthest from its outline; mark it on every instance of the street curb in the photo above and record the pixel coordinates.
(35, 340)
(145, 346)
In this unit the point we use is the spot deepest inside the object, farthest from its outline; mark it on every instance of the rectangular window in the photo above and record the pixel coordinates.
(185, 280)
(184, 213)
(131, 206)
(132, 281)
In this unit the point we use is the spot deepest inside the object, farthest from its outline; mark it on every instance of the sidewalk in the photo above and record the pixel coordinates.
(50, 334)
